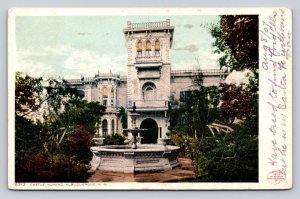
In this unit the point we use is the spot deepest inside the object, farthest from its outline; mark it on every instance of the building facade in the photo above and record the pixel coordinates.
(148, 85)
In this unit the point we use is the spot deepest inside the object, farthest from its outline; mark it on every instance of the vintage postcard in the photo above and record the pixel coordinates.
(150, 98)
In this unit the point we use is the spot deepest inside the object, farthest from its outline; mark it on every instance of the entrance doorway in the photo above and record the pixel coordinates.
(150, 136)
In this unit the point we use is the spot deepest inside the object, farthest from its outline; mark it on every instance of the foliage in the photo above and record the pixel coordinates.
(241, 35)
(123, 115)
(234, 157)
(79, 143)
(59, 94)
(193, 148)
(196, 109)
(81, 113)
(114, 139)
(178, 139)
(189, 118)
(236, 102)
(27, 94)
(53, 168)
(67, 109)
(54, 150)
(230, 158)
(236, 38)
(28, 141)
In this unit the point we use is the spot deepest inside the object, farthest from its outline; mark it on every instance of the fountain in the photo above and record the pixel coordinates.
(135, 130)
(135, 158)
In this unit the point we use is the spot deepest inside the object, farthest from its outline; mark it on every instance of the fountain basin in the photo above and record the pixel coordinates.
(146, 158)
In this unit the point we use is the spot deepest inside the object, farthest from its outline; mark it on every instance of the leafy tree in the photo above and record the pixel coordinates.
(236, 102)
(241, 35)
(196, 109)
(234, 157)
(236, 37)
(41, 154)
(67, 110)
(59, 94)
(81, 113)
(123, 115)
(190, 117)
(28, 134)
(27, 94)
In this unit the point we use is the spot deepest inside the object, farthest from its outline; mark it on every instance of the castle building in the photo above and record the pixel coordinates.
(149, 82)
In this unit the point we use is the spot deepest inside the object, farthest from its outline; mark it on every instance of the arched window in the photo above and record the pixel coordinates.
(149, 91)
(157, 45)
(157, 48)
(139, 46)
(148, 45)
(112, 91)
(113, 126)
(104, 128)
(112, 96)
(105, 92)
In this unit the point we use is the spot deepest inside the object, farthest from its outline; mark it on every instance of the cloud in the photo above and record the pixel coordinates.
(190, 48)
(89, 63)
(34, 68)
(61, 50)
(208, 59)
(35, 62)
(189, 26)
(202, 58)
(72, 62)
(30, 53)
(83, 33)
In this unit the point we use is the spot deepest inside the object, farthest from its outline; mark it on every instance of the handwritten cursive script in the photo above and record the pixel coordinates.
(276, 46)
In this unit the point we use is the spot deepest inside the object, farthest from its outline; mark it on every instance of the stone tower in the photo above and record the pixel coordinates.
(148, 77)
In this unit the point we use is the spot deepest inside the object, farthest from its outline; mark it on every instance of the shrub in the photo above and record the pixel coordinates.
(178, 139)
(56, 168)
(231, 158)
(193, 150)
(79, 143)
(114, 139)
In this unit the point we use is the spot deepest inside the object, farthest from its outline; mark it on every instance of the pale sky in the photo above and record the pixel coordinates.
(71, 46)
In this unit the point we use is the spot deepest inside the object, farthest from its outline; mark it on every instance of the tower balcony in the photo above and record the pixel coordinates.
(148, 105)
(159, 25)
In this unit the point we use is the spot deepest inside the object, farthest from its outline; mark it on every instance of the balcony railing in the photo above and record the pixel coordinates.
(91, 79)
(148, 25)
(107, 75)
(193, 71)
(150, 59)
(148, 104)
